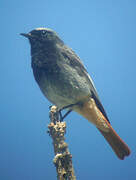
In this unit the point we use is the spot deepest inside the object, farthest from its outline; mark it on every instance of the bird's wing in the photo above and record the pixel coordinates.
(75, 61)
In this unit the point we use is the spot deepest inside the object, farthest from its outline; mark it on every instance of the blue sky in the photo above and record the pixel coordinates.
(103, 34)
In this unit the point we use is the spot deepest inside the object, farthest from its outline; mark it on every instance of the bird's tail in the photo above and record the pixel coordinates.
(117, 144)
(90, 111)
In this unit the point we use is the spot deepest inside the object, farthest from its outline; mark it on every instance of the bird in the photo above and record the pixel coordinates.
(65, 82)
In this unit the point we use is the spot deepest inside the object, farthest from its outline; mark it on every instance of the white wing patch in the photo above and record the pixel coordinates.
(91, 80)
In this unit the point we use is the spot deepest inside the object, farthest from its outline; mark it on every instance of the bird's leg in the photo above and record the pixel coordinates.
(62, 117)
(69, 111)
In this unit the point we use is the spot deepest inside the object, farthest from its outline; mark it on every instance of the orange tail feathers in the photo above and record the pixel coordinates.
(118, 145)
(90, 111)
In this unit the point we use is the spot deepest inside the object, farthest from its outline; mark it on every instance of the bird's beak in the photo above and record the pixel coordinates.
(26, 35)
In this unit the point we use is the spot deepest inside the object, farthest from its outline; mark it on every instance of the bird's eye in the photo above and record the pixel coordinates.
(43, 32)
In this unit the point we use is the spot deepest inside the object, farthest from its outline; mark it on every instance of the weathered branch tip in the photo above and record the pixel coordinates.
(63, 158)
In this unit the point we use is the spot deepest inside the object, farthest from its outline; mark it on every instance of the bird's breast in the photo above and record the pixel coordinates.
(60, 82)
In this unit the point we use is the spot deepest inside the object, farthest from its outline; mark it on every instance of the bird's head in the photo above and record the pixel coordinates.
(42, 37)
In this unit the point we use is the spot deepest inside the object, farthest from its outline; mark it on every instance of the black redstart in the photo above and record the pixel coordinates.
(64, 81)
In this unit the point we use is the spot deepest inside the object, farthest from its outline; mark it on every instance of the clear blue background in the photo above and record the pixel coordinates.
(103, 34)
